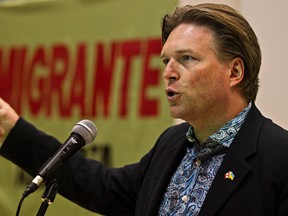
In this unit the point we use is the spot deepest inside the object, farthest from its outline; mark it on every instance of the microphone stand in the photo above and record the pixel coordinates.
(48, 196)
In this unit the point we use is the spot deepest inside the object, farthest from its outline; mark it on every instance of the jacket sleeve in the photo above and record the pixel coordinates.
(109, 191)
(28, 147)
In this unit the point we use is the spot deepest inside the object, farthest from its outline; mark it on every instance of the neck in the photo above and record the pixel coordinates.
(209, 124)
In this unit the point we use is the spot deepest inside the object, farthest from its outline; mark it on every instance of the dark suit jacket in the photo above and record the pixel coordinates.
(258, 157)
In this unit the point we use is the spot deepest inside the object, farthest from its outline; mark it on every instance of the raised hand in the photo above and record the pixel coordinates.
(8, 119)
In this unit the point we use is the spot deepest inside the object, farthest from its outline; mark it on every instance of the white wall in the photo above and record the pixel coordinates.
(269, 20)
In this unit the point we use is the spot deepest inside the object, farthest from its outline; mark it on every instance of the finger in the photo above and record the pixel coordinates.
(1, 102)
(1, 132)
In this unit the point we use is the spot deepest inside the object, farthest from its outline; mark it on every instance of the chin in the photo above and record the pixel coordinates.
(175, 115)
(176, 112)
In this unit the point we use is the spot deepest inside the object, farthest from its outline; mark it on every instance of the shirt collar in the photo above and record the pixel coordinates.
(225, 134)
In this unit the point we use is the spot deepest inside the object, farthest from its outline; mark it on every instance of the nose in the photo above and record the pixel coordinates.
(170, 72)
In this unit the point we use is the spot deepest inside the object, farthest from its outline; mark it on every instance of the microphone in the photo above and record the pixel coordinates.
(83, 132)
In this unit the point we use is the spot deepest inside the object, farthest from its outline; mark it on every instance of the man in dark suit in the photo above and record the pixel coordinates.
(226, 159)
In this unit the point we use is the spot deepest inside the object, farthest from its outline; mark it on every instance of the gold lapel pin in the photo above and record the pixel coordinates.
(229, 175)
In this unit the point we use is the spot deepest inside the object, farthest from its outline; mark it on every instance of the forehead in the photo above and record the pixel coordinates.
(190, 36)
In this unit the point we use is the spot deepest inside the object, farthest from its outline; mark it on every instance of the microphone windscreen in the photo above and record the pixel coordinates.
(86, 129)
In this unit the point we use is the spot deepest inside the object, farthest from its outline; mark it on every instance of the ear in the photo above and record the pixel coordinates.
(236, 72)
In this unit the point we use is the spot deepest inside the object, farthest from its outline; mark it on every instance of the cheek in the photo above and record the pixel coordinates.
(207, 85)
(197, 88)
(219, 88)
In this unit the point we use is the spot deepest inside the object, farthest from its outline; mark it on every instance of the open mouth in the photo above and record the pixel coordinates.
(170, 93)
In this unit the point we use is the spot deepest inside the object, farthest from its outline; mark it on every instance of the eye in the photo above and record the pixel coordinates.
(186, 58)
(165, 61)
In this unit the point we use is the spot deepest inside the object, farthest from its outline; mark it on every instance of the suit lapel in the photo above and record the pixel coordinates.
(166, 165)
(243, 146)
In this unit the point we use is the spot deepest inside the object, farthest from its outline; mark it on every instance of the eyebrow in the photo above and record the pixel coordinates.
(180, 51)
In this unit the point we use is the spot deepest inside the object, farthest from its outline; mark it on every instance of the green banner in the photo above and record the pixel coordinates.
(64, 61)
